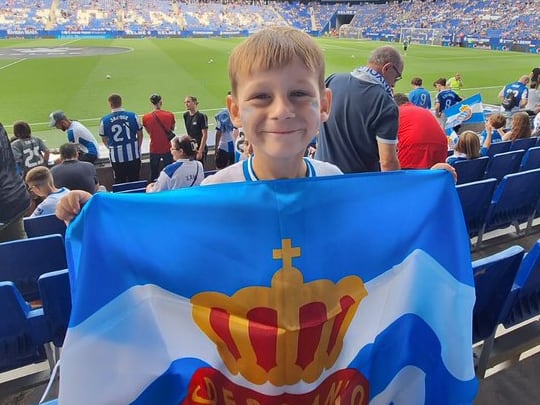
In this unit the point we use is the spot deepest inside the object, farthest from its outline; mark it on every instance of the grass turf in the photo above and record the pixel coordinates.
(32, 88)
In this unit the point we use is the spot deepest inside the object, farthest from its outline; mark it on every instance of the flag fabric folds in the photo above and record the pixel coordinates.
(470, 110)
(351, 289)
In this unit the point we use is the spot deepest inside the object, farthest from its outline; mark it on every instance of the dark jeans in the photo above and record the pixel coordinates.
(157, 162)
(223, 158)
(14, 230)
(125, 172)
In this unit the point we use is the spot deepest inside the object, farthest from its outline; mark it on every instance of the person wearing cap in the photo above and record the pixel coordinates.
(76, 133)
(160, 125)
(122, 132)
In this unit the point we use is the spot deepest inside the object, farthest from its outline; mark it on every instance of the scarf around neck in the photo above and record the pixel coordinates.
(368, 74)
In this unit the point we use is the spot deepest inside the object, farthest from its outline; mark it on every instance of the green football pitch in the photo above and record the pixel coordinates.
(38, 77)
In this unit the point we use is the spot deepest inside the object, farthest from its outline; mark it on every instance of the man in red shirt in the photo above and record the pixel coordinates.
(160, 126)
(421, 140)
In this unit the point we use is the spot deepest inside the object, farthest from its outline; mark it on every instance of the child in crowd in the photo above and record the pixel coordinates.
(521, 127)
(40, 181)
(184, 172)
(28, 150)
(468, 147)
(279, 99)
(494, 130)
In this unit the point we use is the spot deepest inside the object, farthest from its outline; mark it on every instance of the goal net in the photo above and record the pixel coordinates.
(423, 36)
(349, 32)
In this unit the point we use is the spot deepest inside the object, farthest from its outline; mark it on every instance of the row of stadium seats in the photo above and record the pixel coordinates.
(507, 288)
(488, 206)
(499, 164)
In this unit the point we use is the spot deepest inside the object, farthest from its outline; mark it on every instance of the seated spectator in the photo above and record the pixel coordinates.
(521, 127)
(28, 150)
(494, 130)
(72, 173)
(184, 172)
(468, 147)
(40, 181)
(421, 140)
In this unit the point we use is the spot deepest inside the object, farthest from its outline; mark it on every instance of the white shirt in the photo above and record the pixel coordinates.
(243, 171)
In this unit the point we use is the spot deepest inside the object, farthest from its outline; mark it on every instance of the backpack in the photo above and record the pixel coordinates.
(509, 101)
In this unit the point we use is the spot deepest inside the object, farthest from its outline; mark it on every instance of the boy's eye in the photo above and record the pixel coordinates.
(300, 93)
(260, 96)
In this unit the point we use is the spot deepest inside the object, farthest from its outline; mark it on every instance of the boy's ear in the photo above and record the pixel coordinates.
(234, 111)
(326, 104)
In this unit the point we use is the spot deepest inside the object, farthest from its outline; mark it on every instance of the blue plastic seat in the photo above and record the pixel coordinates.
(44, 225)
(523, 143)
(56, 298)
(493, 277)
(502, 164)
(531, 159)
(475, 200)
(524, 299)
(132, 185)
(471, 170)
(23, 331)
(514, 202)
(499, 147)
(23, 261)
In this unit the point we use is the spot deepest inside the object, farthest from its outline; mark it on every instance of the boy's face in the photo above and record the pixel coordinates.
(280, 110)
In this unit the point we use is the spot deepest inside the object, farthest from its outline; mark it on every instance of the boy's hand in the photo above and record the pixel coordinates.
(447, 167)
(70, 205)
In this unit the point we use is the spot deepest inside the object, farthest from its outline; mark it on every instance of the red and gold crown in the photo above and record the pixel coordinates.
(289, 332)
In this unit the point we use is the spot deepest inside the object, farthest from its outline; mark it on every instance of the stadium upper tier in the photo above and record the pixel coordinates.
(505, 19)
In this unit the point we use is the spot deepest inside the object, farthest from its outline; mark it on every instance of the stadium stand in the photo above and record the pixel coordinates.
(454, 19)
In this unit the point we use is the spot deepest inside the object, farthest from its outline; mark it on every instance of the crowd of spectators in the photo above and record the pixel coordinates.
(505, 19)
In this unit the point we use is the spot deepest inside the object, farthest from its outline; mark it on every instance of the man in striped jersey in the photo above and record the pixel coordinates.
(121, 132)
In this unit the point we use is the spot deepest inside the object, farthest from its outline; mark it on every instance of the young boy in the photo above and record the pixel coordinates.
(279, 99)
(494, 130)
(40, 182)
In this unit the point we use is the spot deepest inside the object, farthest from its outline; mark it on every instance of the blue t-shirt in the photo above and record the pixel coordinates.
(420, 97)
(520, 92)
(121, 128)
(495, 137)
(447, 98)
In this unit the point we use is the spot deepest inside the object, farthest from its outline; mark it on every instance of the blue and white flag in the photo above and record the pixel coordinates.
(351, 289)
(470, 110)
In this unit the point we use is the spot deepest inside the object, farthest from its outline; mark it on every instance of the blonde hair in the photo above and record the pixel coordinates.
(275, 48)
(469, 144)
(39, 175)
(521, 126)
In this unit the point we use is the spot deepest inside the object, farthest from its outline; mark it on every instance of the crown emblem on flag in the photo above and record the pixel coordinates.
(283, 334)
